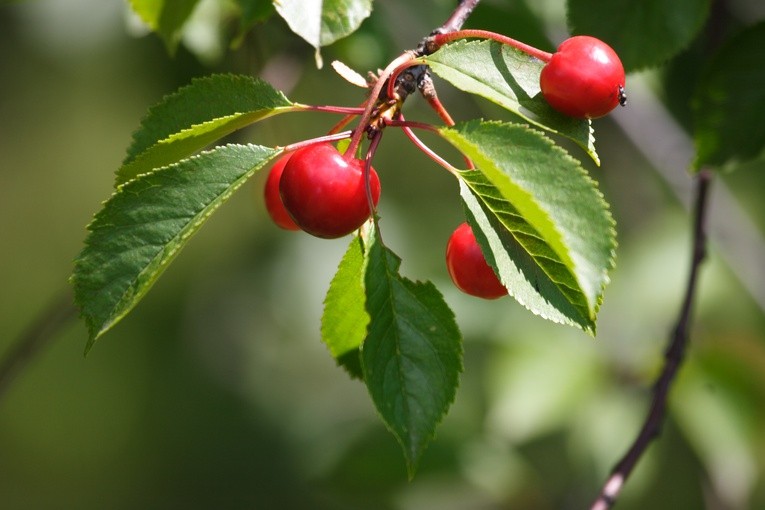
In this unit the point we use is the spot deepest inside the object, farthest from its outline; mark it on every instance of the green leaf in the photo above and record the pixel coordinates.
(509, 78)
(197, 115)
(412, 356)
(345, 319)
(146, 222)
(165, 17)
(644, 33)
(322, 22)
(252, 12)
(729, 102)
(539, 219)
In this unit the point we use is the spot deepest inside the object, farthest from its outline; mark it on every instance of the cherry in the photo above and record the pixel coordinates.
(468, 268)
(584, 78)
(274, 204)
(324, 191)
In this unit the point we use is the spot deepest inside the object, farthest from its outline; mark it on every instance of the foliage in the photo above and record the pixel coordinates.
(540, 220)
(539, 214)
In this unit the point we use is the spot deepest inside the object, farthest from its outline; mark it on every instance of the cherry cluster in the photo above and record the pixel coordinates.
(329, 194)
(320, 191)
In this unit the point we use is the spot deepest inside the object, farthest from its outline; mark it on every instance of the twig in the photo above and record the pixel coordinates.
(44, 328)
(459, 16)
(673, 357)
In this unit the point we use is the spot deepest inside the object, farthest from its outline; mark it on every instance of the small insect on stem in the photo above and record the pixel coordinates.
(622, 96)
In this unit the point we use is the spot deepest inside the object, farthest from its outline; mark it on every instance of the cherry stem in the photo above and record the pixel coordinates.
(332, 137)
(368, 171)
(340, 125)
(441, 39)
(395, 74)
(372, 101)
(436, 104)
(407, 126)
(346, 120)
(348, 110)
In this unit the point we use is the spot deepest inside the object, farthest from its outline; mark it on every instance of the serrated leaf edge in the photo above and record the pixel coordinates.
(96, 331)
(167, 98)
(123, 174)
(611, 261)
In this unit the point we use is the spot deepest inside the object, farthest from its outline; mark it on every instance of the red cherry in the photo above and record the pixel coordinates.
(274, 204)
(325, 193)
(468, 268)
(584, 78)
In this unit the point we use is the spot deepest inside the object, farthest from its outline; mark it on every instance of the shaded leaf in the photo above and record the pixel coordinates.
(729, 102)
(533, 274)
(345, 319)
(643, 34)
(165, 17)
(412, 356)
(539, 218)
(509, 78)
(252, 12)
(146, 222)
(197, 115)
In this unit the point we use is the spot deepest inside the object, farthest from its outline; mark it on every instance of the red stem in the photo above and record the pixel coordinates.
(441, 39)
(407, 126)
(395, 74)
(333, 137)
(340, 125)
(436, 104)
(374, 94)
(346, 120)
(349, 110)
(368, 170)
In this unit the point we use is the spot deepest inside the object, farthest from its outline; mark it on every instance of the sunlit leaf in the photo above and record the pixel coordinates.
(412, 356)
(197, 115)
(539, 218)
(146, 222)
(509, 78)
(729, 103)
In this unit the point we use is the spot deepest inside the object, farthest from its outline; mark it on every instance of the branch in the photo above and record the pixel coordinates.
(673, 357)
(45, 327)
(458, 17)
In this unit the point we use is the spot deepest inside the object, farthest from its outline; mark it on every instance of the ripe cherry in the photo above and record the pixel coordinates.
(468, 268)
(324, 191)
(584, 78)
(274, 204)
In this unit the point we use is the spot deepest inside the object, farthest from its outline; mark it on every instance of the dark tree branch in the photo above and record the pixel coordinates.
(673, 357)
(45, 327)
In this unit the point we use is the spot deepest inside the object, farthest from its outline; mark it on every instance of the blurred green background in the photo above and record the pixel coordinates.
(216, 391)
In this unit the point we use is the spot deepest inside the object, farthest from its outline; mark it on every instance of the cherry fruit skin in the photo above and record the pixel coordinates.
(324, 192)
(274, 204)
(584, 78)
(468, 268)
